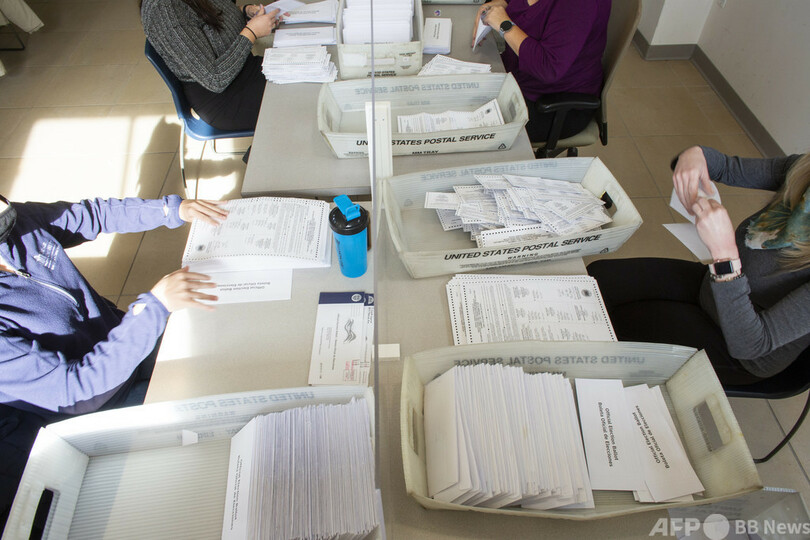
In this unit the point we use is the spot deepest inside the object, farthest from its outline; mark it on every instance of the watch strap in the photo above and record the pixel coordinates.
(725, 270)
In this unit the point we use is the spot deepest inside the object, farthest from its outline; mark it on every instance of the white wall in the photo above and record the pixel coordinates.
(762, 48)
(682, 21)
(650, 13)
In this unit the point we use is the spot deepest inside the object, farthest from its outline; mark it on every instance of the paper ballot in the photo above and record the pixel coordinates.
(487, 115)
(481, 32)
(250, 255)
(486, 308)
(686, 232)
(298, 37)
(610, 443)
(343, 341)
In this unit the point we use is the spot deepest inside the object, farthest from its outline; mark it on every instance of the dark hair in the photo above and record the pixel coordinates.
(205, 9)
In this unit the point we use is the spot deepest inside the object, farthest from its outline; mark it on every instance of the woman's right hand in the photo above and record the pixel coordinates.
(691, 173)
(485, 8)
(180, 289)
(263, 24)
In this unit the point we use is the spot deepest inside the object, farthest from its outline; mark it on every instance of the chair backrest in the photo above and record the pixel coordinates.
(622, 24)
(175, 86)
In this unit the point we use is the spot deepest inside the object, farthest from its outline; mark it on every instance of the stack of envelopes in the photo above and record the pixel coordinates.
(496, 436)
(505, 209)
(392, 21)
(303, 473)
(298, 64)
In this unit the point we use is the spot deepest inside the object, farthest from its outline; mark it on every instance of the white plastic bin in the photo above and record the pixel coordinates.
(342, 116)
(699, 407)
(427, 250)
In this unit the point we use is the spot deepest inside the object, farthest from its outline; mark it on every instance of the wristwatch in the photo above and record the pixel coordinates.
(725, 270)
(505, 27)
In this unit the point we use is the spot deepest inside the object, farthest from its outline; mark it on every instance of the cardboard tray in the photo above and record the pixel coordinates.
(427, 250)
(126, 473)
(342, 117)
(699, 407)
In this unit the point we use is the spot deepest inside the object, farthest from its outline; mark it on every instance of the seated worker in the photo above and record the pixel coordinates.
(207, 44)
(63, 347)
(552, 46)
(750, 309)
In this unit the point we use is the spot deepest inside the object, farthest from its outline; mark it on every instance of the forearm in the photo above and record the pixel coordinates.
(757, 173)
(52, 380)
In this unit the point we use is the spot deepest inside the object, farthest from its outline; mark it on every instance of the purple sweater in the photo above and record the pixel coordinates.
(63, 347)
(563, 52)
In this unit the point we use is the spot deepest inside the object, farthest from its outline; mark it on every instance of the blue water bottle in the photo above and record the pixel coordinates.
(349, 224)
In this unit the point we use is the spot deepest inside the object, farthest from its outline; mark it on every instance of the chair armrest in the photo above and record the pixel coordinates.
(567, 101)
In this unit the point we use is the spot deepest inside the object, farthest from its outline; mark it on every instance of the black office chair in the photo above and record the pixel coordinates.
(191, 125)
(624, 17)
(791, 382)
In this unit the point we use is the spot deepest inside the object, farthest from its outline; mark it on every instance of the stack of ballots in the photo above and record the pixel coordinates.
(505, 209)
(392, 22)
(298, 64)
(445, 65)
(303, 473)
(497, 436)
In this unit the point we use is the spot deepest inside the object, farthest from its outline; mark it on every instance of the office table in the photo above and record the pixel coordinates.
(291, 158)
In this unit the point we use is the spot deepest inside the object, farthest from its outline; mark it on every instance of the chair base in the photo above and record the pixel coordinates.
(789, 435)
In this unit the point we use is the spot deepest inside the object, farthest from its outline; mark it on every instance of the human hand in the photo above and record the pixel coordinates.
(690, 174)
(496, 15)
(715, 229)
(262, 24)
(178, 290)
(208, 211)
(482, 10)
(252, 10)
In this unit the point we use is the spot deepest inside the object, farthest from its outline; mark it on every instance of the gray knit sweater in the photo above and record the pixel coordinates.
(194, 51)
(765, 314)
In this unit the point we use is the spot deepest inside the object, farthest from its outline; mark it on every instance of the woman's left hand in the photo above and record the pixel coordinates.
(495, 16)
(715, 229)
(208, 211)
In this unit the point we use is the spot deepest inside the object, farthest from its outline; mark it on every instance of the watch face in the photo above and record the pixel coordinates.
(724, 267)
(506, 26)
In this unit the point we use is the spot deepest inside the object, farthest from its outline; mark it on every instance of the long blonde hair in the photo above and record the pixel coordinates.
(797, 181)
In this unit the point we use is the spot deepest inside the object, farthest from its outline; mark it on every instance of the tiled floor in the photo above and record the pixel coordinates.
(82, 114)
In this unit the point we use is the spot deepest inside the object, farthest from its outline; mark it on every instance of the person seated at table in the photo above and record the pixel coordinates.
(207, 45)
(64, 349)
(552, 46)
(750, 309)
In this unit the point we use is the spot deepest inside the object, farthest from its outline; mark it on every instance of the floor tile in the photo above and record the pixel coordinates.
(687, 73)
(715, 110)
(9, 119)
(49, 49)
(23, 87)
(144, 86)
(109, 47)
(624, 160)
(86, 85)
(787, 412)
(635, 72)
(657, 153)
(150, 127)
(67, 16)
(125, 300)
(160, 254)
(660, 111)
(116, 15)
(60, 131)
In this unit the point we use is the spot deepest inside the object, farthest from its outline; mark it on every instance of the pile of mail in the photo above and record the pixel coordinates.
(487, 115)
(295, 12)
(302, 473)
(631, 442)
(437, 35)
(444, 65)
(392, 21)
(298, 64)
(496, 436)
(487, 308)
(506, 209)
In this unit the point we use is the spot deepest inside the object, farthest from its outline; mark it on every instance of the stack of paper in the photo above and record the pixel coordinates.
(437, 35)
(488, 114)
(487, 308)
(392, 23)
(302, 473)
(298, 64)
(316, 12)
(631, 442)
(251, 254)
(496, 436)
(344, 338)
(506, 209)
(299, 37)
(444, 65)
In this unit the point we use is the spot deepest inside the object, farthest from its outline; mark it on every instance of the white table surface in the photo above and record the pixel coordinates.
(290, 156)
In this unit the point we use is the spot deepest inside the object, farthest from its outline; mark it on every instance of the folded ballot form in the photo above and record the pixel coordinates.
(250, 255)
